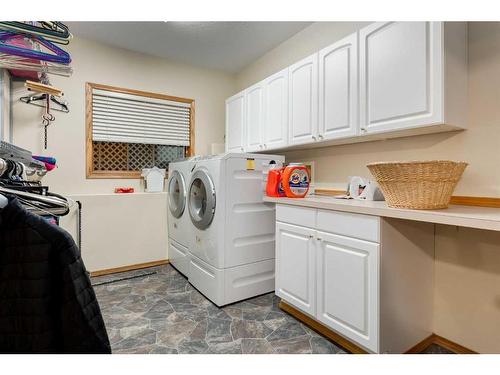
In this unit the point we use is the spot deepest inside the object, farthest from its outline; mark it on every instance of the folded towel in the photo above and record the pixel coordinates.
(45, 159)
(49, 166)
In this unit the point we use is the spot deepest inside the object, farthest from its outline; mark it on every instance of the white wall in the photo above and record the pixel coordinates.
(118, 230)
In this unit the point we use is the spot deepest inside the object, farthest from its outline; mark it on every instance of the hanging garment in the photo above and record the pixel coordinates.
(47, 304)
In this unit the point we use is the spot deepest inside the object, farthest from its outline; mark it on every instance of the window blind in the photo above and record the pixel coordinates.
(119, 117)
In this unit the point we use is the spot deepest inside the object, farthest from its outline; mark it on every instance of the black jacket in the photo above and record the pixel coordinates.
(47, 304)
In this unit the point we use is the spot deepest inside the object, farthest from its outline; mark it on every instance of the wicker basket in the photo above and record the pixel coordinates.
(424, 185)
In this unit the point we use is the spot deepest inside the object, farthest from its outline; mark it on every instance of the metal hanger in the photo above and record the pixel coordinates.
(36, 98)
(54, 31)
(52, 204)
(58, 55)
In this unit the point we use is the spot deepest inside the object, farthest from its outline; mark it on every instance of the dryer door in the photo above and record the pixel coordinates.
(201, 199)
(176, 194)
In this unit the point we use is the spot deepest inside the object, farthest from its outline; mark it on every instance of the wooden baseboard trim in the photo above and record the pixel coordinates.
(460, 200)
(422, 345)
(441, 341)
(129, 268)
(452, 346)
(321, 329)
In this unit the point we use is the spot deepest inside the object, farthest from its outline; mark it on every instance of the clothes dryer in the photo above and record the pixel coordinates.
(233, 230)
(179, 223)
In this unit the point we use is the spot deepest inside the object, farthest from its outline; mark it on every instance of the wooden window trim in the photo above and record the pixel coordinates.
(90, 172)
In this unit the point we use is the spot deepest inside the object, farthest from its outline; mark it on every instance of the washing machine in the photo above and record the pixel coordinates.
(233, 230)
(178, 217)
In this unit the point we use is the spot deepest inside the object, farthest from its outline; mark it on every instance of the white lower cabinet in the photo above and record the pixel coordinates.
(347, 287)
(367, 278)
(295, 266)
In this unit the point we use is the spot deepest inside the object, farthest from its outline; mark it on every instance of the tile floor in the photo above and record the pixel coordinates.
(163, 313)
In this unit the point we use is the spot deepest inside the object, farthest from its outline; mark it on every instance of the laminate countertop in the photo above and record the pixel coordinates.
(463, 216)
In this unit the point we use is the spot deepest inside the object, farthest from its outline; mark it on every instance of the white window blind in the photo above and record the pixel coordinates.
(118, 117)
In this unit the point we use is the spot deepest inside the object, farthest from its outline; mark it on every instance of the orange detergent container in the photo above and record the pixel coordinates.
(273, 187)
(295, 180)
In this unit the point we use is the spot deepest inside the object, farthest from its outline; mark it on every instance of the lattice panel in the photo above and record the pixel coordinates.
(113, 156)
(166, 154)
(110, 156)
(140, 156)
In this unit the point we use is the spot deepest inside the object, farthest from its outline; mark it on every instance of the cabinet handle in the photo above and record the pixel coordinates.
(265, 146)
(241, 148)
(314, 137)
(311, 236)
(320, 136)
(363, 129)
(319, 239)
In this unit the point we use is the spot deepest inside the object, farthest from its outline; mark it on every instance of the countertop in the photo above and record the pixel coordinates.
(463, 216)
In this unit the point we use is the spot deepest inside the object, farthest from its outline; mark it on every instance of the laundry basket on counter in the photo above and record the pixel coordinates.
(423, 185)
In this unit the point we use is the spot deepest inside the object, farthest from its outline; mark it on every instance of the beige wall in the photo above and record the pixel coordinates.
(467, 287)
(99, 63)
(467, 302)
(118, 230)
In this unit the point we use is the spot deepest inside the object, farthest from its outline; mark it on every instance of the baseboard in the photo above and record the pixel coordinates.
(355, 349)
(129, 268)
(422, 345)
(452, 346)
(321, 329)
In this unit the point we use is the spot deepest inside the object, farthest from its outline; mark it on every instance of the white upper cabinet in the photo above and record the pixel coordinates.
(254, 97)
(303, 101)
(389, 79)
(275, 130)
(235, 123)
(401, 75)
(338, 85)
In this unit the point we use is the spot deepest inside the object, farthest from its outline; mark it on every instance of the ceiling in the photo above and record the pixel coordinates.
(227, 46)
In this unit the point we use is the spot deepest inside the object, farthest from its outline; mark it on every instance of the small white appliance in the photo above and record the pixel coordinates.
(154, 179)
(232, 244)
(178, 217)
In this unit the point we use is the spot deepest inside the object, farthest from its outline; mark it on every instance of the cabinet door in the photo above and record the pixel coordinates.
(276, 110)
(401, 75)
(235, 123)
(295, 266)
(338, 89)
(303, 101)
(254, 97)
(348, 287)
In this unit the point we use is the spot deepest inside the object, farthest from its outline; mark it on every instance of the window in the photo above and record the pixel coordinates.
(128, 130)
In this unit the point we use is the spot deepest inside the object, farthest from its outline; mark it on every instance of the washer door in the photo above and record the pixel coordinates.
(176, 194)
(201, 199)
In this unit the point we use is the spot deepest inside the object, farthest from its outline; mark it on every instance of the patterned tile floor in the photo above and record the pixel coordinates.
(163, 313)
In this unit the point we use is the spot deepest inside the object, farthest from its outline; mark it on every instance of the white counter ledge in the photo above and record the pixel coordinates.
(463, 216)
